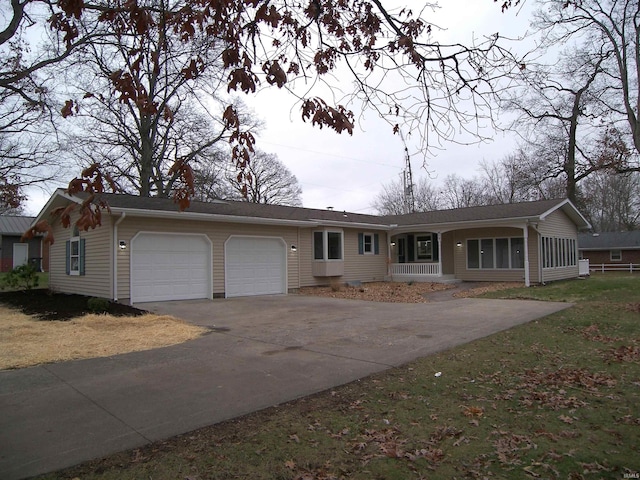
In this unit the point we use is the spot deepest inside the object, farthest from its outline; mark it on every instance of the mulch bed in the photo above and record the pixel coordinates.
(46, 305)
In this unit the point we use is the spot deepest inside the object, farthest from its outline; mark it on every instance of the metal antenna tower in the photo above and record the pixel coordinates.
(407, 180)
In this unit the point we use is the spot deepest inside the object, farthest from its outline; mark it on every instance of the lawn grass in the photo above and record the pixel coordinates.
(557, 398)
(43, 280)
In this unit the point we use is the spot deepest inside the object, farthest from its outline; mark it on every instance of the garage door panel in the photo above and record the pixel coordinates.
(255, 266)
(170, 267)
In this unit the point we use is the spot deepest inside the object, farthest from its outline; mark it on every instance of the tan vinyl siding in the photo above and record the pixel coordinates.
(218, 233)
(357, 267)
(447, 247)
(558, 225)
(365, 268)
(97, 280)
(492, 275)
(534, 257)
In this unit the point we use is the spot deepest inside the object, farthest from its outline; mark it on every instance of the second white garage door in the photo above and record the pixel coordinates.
(167, 266)
(255, 266)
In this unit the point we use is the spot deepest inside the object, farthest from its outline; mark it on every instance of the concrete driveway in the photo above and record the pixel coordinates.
(261, 351)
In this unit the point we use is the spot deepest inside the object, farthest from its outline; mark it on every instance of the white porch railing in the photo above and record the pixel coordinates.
(614, 267)
(414, 269)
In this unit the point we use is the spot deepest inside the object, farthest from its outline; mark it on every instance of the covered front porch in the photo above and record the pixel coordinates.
(421, 257)
(496, 252)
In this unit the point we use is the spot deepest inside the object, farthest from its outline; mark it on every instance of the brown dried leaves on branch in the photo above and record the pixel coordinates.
(339, 118)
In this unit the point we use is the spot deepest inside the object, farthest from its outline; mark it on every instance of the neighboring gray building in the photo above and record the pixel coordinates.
(13, 251)
(610, 247)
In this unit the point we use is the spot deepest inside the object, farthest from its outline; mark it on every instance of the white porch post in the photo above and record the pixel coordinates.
(439, 254)
(527, 280)
(388, 254)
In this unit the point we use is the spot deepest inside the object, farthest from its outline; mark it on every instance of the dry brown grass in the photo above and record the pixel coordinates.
(25, 341)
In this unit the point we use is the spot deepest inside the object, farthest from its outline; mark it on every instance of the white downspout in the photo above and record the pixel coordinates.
(527, 280)
(116, 249)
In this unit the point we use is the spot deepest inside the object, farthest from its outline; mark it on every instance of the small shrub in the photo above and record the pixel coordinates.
(335, 285)
(24, 277)
(98, 305)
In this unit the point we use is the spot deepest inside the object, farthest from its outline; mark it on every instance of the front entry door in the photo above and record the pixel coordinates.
(402, 248)
(20, 254)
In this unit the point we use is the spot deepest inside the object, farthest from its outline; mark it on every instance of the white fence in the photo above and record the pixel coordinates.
(615, 267)
(415, 269)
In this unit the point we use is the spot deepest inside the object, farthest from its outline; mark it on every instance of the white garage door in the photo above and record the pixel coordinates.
(255, 266)
(170, 267)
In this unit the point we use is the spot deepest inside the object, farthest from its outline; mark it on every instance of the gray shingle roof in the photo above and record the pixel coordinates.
(14, 225)
(609, 240)
(253, 210)
(241, 209)
(489, 212)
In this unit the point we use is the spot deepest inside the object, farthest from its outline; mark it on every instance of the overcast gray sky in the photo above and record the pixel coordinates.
(346, 172)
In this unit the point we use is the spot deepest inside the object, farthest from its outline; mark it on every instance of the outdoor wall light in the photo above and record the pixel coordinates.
(459, 244)
(122, 244)
(393, 244)
(294, 248)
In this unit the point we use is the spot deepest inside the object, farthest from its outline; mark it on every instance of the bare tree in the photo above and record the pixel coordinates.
(270, 182)
(458, 192)
(391, 201)
(611, 201)
(27, 142)
(210, 180)
(609, 29)
(179, 120)
(509, 180)
(558, 108)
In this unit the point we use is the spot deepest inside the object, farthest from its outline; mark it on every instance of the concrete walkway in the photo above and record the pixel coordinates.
(261, 351)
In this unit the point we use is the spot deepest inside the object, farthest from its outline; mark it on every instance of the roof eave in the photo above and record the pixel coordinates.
(210, 217)
(447, 226)
(337, 223)
(572, 212)
(59, 193)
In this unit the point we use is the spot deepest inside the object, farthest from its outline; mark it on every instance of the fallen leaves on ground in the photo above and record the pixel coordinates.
(509, 446)
(551, 389)
(623, 353)
(488, 287)
(391, 292)
(592, 333)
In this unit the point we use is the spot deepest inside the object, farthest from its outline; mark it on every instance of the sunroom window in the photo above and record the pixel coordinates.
(499, 253)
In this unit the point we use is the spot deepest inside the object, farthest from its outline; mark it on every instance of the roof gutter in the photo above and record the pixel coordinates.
(211, 217)
(507, 222)
(337, 223)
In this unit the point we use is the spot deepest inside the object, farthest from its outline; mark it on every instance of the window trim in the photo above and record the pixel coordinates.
(325, 245)
(619, 256)
(480, 253)
(374, 244)
(429, 256)
(559, 252)
(72, 241)
(370, 244)
(69, 257)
